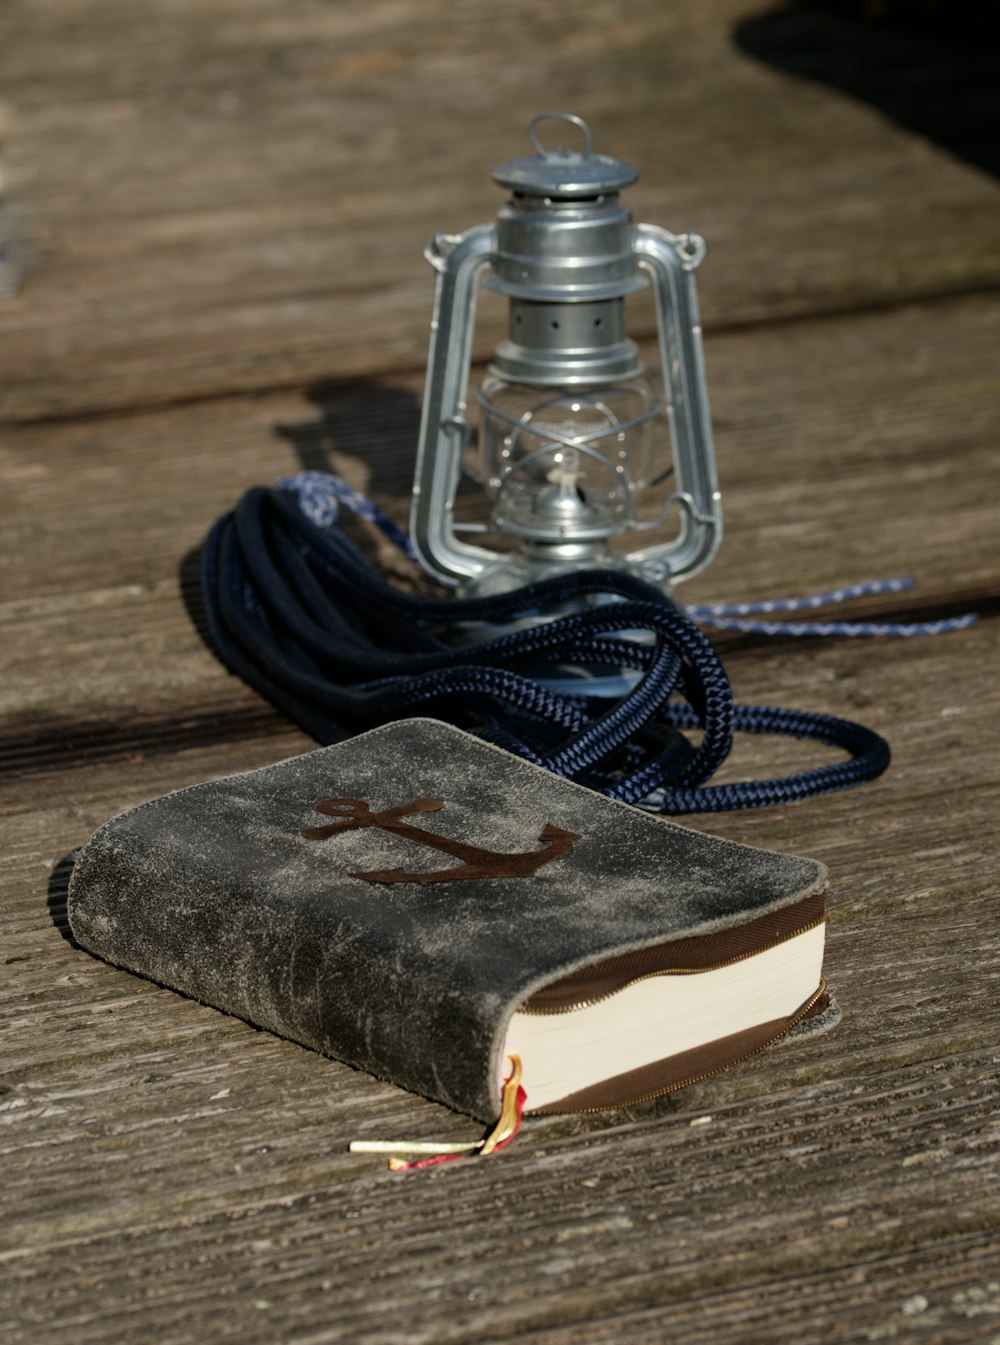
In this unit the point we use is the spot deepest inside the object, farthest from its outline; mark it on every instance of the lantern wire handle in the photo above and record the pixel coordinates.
(588, 140)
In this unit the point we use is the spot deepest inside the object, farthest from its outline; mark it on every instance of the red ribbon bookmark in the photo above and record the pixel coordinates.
(512, 1104)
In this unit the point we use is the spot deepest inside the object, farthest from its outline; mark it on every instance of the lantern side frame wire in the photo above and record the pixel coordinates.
(670, 261)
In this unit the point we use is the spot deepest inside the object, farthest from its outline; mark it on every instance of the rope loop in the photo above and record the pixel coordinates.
(294, 608)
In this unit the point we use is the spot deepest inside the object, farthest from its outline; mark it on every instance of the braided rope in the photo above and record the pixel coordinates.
(294, 609)
(869, 589)
(844, 629)
(320, 495)
(731, 616)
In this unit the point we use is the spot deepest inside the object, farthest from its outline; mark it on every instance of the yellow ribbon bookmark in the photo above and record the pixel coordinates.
(512, 1104)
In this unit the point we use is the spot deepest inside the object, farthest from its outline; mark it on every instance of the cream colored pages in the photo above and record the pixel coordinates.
(661, 1016)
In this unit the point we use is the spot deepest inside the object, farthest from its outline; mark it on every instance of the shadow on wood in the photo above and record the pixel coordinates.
(56, 899)
(929, 68)
(375, 424)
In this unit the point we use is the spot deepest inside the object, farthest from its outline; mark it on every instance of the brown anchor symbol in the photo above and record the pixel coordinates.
(476, 862)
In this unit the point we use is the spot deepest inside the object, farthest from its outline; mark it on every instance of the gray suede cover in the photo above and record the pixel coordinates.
(214, 891)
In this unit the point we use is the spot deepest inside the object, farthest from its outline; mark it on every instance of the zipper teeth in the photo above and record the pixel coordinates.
(709, 1073)
(543, 1012)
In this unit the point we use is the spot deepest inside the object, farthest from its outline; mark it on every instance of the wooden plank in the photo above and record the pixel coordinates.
(132, 1080)
(637, 1241)
(214, 197)
(884, 466)
(171, 1172)
(845, 448)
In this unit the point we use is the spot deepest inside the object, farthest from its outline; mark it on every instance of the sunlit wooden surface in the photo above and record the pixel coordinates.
(211, 224)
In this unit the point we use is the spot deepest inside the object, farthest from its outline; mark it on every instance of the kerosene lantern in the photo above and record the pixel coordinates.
(573, 445)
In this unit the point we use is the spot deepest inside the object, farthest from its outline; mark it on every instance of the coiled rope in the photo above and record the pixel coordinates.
(294, 609)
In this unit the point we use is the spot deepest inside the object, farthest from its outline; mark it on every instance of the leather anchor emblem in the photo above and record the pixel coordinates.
(353, 814)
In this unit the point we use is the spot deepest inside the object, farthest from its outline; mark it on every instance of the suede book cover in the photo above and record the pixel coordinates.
(392, 900)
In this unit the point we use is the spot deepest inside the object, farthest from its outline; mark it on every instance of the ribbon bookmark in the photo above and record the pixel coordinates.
(512, 1105)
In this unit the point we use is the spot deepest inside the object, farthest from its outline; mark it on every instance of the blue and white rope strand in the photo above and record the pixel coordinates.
(320, 494)
(295, 609)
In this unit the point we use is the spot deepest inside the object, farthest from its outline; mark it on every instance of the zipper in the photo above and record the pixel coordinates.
(708, 1074)
(666, 971)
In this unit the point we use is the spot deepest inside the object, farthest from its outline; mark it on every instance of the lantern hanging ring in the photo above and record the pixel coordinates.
(588, 139)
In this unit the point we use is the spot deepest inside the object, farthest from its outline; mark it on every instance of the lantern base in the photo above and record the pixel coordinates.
(560, 675)
(535, 561)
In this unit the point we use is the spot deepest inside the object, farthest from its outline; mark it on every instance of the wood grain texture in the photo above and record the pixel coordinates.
(217, 212)
(171, 1170)
(219, 197)
(820, 487)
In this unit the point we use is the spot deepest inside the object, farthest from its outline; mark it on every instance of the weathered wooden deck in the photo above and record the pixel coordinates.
(215, 211)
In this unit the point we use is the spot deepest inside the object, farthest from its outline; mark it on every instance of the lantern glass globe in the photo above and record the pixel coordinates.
(565, 465)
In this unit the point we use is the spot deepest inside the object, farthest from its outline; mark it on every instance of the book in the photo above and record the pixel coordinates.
(422, 905)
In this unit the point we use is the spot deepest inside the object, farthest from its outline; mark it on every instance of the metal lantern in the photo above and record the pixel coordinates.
(573, 445)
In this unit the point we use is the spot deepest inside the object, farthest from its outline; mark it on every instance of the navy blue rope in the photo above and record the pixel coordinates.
(294, 609)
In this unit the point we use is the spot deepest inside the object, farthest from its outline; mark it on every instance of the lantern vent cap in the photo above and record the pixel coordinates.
(564, 174)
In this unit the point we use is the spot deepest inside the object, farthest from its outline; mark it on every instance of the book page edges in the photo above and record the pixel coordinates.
(685, 1067)
(600, 981)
